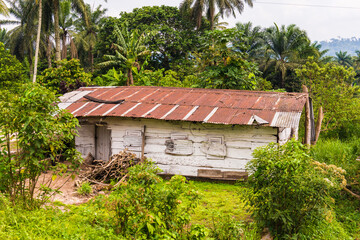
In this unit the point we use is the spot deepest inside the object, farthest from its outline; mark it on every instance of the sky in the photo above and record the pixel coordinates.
(321, 19)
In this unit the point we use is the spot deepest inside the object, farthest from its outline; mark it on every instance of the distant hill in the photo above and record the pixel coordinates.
(349, 45)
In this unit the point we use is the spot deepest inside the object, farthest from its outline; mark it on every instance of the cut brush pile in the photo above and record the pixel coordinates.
(103, 172)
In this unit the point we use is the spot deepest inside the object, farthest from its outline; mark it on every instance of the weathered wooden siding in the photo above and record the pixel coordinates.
(239, 141)
(85, 141)
(230, 148)
(103, 143)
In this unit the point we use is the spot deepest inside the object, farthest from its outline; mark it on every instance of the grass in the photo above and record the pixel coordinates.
(60, 222)
(220, 199)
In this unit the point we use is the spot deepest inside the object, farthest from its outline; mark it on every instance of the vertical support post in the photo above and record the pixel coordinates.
(143, 142)
(318, 125)
(307, 118)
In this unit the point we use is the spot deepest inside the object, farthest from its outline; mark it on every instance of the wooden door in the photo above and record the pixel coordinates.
(103, 143)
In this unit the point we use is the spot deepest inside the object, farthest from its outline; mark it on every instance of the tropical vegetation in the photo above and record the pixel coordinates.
(294, 192)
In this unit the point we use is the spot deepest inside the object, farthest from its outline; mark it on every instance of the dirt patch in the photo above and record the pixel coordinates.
(67, 187)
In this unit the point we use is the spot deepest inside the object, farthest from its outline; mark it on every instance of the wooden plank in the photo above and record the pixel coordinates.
(235, 175)
(179, 147)
(85, 142)
(103, 143)
(210, 173)
(198, 161)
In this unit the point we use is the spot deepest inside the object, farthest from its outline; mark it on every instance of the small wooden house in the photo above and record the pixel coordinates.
(193, 132)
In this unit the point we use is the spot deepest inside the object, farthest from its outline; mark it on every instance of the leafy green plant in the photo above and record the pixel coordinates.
(68, 76)
(12, 73)
(225, 227)
(330, 86)
(292, 193)
(149, 208)
(111, 78)
(44, 134)
(85, 189)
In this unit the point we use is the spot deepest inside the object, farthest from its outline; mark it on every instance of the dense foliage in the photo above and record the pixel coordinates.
(292, 193)
(149, 208)
(68, 76)
(332, 87)
(12, 73)
(41, 134)
(295, 191)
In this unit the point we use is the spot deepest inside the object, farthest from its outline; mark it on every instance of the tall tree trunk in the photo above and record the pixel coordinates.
(37, 41)
(91, 58)
(73, 49)
(48, 51)
(57, 30)
(212, 15)
(130, 79)
(64, 47)
(307, 118)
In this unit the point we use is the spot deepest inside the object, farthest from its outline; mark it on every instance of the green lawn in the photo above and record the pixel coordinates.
(220, 199)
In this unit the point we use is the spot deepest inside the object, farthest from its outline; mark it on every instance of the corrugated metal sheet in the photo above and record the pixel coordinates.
(189, 104)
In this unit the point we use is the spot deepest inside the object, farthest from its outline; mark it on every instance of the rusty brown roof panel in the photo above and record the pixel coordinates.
(222, 115)
(241, 117)
(159, 112)
(140, 110)
(179, 113)
(265, 102)
(189, 104)
(75, 106)
(200, 114)
(245, 102)
(140, 94)
(120, 109)
(100, 110)
(189, 98)
(208, 99)
(174, 97)
(87, 107)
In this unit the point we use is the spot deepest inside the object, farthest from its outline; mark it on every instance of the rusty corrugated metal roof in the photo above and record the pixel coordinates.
(219, 106)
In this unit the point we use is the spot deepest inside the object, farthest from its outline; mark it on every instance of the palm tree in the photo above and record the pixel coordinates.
(3, 9)
(283, 48)
(227, 7)
(252, 37)
(22, 36)
(128, 49)
(66, 24)
(86, 36)
(4, 37)
(37, 41)
(219, 25)
(79, 6)
(343, 58)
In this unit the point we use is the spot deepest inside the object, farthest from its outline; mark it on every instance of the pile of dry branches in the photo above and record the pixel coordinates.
(102, 172)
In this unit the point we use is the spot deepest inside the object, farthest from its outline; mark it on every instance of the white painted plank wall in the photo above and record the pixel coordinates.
(85, 141)
(240, 142)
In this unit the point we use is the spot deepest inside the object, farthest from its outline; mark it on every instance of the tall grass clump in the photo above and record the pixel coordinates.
(343, 154)
(340, 153)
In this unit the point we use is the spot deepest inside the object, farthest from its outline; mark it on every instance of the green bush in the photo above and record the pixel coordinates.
(292, 193)
(12, 73)
(68, 76)
(42, 132)
(85, 189)
(149, 208)
(226, 227)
